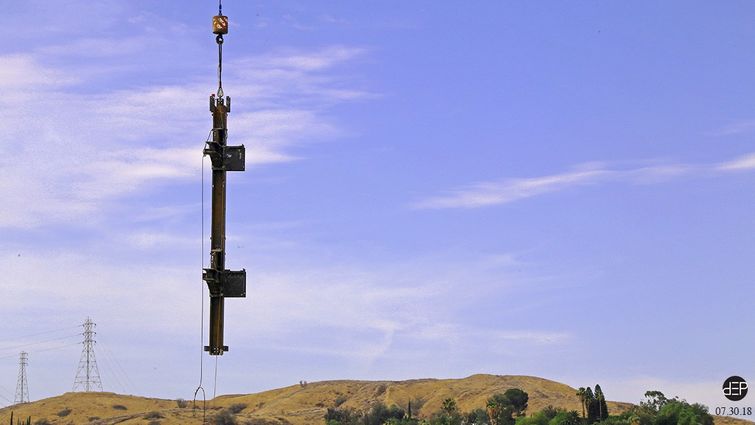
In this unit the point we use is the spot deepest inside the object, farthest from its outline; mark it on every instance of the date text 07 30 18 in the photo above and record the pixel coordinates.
(733, 411)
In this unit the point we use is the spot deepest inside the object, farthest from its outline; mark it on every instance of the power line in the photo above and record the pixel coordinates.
(29, 344)
(47, 332)
(116, 370)
(109, 369)
(41, 349)
(45, 349)
(6, 399)
(56, 348)
(5, 391)
(129, 382)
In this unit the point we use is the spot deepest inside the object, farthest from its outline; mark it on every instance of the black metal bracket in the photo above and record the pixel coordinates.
(234, 158)
(227, 158)
(226, 283)
(207, 348)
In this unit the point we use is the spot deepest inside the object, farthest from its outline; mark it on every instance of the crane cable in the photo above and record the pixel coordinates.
(201, 327)
(219, 40)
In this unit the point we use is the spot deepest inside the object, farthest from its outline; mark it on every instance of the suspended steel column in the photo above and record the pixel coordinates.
(222, 283)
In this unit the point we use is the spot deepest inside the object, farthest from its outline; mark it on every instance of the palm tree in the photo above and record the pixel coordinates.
(449, 405)
(582, 394)
(492, 409)
(590, 404)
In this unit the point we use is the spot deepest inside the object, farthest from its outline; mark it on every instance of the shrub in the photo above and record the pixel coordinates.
(341, 399)
(154, 415)
(550, 412)
(342, 416)
(417, 404)
(477, 416)
(181, 403)
(224, 417)
(65, 412)
(379, 414)
(380, 390)
(261, 421)
(565, 418)
(236, 408)
(119, 407)
(539, 418)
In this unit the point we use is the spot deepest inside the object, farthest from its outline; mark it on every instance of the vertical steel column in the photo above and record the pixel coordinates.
(217, 244)
(221, 282)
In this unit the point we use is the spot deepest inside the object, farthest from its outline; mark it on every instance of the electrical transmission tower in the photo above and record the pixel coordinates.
(88, 375)
(22, 387)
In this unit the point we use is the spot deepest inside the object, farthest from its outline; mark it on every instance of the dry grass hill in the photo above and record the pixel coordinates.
(300, 405)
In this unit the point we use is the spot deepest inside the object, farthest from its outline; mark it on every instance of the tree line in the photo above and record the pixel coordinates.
(510, 408)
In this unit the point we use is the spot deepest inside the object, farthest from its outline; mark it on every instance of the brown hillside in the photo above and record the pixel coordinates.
(299, 405)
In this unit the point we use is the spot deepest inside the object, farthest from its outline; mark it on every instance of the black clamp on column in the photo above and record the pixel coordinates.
(226, 158)
(226, 283)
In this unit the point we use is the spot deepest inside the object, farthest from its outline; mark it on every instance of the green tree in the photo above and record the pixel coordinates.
(639, 415)
(500, 410)
(566, 418)
(448, 414)
(617, 420)
(654, 401)
(539, 418)
(550, 412)
(379, 414)
(338, 416)
(600, 399)
(449, 406)
(477, 417)
(582, 394)
(592, 406)
(679, 412)
(518, 400)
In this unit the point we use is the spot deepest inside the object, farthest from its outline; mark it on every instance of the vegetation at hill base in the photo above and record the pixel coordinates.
(477, 399)
(510, 408)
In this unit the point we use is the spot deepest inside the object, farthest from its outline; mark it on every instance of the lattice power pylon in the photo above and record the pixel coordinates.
(88, 375)
(22, 387)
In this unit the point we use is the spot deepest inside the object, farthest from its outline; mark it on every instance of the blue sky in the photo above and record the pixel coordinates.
(432, 190)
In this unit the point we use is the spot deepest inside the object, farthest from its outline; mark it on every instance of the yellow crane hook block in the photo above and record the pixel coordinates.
(220, 24)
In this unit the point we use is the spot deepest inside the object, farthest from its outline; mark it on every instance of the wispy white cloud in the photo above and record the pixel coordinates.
(98, 47)
(507, 191)
(492, 193)
(745, 162)
(738, 127)
(155, 239)
(358, 314)
(22, 73)
(82, 150)
(305, 61)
